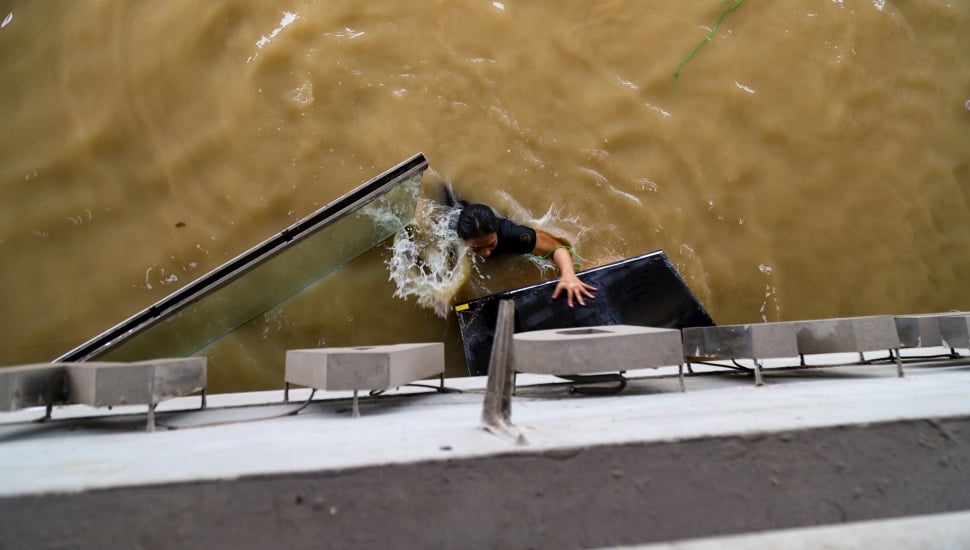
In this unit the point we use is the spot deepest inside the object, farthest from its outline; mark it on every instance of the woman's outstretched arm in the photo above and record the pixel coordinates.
(562, 256)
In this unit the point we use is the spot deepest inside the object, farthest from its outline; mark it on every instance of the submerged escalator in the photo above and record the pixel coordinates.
(214, 305)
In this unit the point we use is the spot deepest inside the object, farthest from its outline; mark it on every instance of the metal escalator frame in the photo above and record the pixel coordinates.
(232, 270)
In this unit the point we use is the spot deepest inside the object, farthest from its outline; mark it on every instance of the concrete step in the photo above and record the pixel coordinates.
(596, 349)
(39, 384)
(955, 330)
(364, 367)
(102, 384)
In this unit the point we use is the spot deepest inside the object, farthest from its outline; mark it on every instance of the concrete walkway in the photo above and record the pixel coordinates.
(812, 446)
(252, 434)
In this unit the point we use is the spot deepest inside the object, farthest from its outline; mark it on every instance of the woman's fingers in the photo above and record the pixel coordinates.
(575, 290)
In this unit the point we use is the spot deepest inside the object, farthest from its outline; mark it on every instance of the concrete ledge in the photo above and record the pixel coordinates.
(758, 341)
(364, 368)
(607, 348)
(32, 386)
(847, 334)
(955, 330)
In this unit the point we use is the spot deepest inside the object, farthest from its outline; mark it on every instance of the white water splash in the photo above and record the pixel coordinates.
(770, 296)
(554, 222)
(428, 261)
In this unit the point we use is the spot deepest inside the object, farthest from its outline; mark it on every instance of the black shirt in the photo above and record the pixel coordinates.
(514, 238)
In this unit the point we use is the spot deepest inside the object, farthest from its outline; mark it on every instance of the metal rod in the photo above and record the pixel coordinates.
(151, 416)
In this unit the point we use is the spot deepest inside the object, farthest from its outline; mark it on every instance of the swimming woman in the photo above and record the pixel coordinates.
(488, 235)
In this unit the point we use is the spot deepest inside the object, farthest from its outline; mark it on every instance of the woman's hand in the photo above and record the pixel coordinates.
(575, 290)
(562, 256)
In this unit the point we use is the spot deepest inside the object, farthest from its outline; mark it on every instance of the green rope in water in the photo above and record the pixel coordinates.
(708, 37)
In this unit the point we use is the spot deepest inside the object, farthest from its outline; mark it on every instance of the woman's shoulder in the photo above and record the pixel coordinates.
(513, 237)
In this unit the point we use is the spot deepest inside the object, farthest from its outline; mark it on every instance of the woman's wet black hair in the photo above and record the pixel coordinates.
(476, 220)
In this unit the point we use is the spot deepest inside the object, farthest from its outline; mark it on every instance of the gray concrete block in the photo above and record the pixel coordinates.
(365, 367)
(847, 334)
(917, 331)
(32, 386)
(101, 384)
(178, 377)
(606, 348)
(757, 341)
(955, 330)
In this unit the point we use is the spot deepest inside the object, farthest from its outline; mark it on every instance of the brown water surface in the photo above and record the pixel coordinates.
(811, 160)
